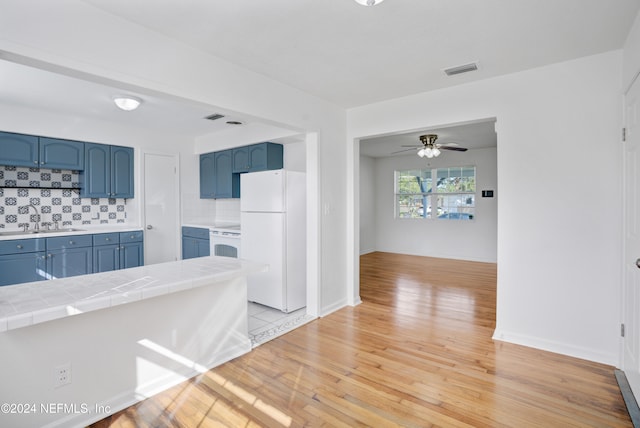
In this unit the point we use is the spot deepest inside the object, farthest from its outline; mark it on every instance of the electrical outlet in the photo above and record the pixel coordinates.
(62, 375)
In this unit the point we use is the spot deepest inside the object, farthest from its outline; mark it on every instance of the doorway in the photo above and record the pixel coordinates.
(631, 279)
(161, 201)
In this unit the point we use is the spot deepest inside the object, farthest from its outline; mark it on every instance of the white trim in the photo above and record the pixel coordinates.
(557, 347)
(314, 241)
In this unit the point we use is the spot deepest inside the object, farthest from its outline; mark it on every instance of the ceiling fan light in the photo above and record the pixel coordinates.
(369, 2)
(127, 103)
(435, 152)
(428, 152)
(421, 153)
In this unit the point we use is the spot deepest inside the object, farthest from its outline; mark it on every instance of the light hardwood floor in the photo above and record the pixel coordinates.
(416, 353)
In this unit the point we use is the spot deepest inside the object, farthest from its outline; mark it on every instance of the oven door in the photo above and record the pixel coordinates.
(225, 244)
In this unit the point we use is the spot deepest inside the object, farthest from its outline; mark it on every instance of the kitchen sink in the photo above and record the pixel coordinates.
(38, 232)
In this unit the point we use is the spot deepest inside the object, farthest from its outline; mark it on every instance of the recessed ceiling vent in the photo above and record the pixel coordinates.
(215, 116)
(452, 71)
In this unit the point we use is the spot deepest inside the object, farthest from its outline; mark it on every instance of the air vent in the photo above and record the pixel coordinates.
(215, 116)
(451, 71)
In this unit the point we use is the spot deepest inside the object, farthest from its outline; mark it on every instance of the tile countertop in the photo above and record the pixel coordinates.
(82, 230)
(22, 305)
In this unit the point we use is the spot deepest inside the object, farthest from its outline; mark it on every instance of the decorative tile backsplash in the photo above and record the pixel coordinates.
(57, 205)
(15, 176)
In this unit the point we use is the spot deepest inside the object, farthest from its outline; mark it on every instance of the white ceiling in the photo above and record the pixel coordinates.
(340, 51)
(353, 55)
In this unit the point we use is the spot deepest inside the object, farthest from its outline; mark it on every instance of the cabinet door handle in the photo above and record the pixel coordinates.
(19, 247)
(107, 239)
(44, 257)
(42, 163)
(71, 242)
(36, 162)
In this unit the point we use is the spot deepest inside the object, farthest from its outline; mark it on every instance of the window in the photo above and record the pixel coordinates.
(450, 190)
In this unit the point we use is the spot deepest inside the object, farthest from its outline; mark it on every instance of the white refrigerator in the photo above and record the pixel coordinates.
(273, 224)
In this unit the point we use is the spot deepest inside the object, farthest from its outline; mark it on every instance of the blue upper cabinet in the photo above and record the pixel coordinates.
(61, 154)
(108, 172)
(265, 156)
(40, 152)
(257, 157)
(220, 171)
(19, 150)
(121, 172)
(241, 159)
(227, 184)
(96, 179)
(217, 180)
(207, 176)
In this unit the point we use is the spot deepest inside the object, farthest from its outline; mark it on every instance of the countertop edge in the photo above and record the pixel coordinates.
(110, 298)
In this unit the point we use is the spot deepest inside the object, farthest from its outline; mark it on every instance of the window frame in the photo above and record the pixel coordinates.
(430, 196)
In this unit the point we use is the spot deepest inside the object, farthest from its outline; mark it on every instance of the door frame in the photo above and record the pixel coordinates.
(143, 215)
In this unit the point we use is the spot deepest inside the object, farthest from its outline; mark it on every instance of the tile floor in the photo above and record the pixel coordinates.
(267, 323)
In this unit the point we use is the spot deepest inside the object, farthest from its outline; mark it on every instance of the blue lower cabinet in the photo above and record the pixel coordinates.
(195, 242)
(37, 259)
(106, 258)
(69, 262)
(18, 268)
(106, 252)
(131, 255)
(69, 256)
(22, 260)
(112, 251)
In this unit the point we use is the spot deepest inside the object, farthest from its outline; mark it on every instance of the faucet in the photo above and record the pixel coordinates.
(37, 225)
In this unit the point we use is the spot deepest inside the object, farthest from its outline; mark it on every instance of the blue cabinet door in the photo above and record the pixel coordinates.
(121, 172)
(227, 183)
(241, 159)
(265, 156)
(61, 154)
(207, 176)
(68, 262)
(106, 258)
(131, 249)
(131, 255)
(18, 149)
(95, 180)
(194, 247)
(26, 267)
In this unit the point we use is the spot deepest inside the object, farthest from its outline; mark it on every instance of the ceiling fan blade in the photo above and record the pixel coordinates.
(404, 150)
(412, 145)
(454, 148)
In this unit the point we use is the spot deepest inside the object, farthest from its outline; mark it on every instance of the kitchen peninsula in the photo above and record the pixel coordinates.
(120, 336)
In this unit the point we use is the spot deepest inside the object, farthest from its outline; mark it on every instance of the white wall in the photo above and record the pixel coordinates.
(465, 240)
(368, 195)
(559, 204)
(86, 41)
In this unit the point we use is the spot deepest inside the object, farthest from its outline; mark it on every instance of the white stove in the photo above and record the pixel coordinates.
(224, 240)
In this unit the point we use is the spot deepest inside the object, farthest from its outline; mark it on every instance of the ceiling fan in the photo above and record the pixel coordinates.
(432, 149)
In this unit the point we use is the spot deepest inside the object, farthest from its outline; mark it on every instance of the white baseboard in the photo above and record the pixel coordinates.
(595, 355)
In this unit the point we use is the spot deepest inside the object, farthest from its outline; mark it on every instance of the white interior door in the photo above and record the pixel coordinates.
(631, 288)
(161, 200)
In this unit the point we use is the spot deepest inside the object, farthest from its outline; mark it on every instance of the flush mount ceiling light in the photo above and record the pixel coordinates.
(127, 102)
(369, 2)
